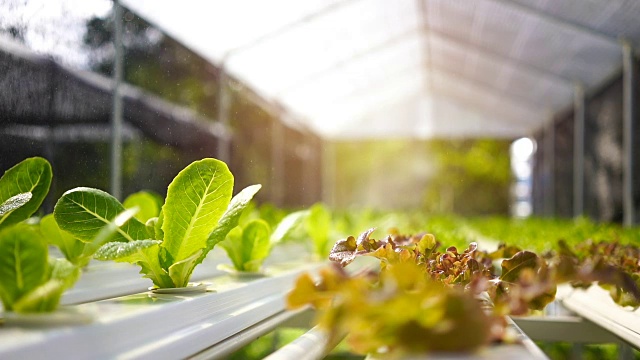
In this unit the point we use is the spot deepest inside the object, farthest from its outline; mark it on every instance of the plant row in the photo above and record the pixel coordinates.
(426, 297)
(167, 238)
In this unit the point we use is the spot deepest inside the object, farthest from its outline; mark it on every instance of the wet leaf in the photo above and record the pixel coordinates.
(511, 268)
(32, 176)
(344, 251)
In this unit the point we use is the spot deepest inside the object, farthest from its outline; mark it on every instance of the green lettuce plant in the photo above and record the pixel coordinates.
(148, 203)
(248, 245)
(72, 248)
(30, 280)
(197, 214)
(25, 268)
(318, 225)
(76, 251)
(80, 251)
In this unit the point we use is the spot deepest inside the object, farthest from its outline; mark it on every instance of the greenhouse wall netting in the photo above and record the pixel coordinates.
(603, 159)
(56, 111)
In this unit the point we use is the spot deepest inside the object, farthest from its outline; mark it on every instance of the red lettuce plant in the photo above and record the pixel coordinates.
(424, 299)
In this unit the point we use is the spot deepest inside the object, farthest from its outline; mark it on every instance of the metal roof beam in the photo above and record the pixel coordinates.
(504, 116)
(478, 109)
(562, 22)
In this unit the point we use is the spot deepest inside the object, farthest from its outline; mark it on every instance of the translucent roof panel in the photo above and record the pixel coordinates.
(478, 97)
(612, 18)
(214, 28)
(375, 68)
(402, 117)
(358, 76)
(426, 115)
(462, 120)
(326, 40)
(509, 30)
(337, 116)
(499, 74)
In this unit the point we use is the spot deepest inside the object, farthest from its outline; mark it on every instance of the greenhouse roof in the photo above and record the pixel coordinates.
(418, 68)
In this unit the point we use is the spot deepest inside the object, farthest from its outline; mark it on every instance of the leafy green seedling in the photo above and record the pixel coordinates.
(168, 248)
(271, 214)
(30, 280)
(22, 190)
(318, 225)
(148, 203)
(288, 225)
(76, 251)
(71, 248)
(249, 245)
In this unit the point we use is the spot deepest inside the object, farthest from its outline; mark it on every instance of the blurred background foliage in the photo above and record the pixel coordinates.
(466, 177)
(472, 177)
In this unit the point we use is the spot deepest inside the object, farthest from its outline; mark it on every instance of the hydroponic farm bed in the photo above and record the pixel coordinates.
(152, 325)
(391, 295)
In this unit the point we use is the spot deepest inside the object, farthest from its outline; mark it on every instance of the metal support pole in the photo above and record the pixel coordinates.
(628, 117)
(578, 150)
(625, 352)
(117, 109)
(277, 162)
(549, 151)
(224, 145)
(50, 147)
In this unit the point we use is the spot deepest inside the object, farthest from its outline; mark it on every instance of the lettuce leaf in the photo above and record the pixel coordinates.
(196, 199)
(71, 248)
(148, 203)
(144, 253)
(24, 264)
(247, 248)
(83, 212)
(32, 176)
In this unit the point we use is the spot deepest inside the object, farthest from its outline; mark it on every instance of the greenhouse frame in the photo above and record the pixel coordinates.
(352, 115)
